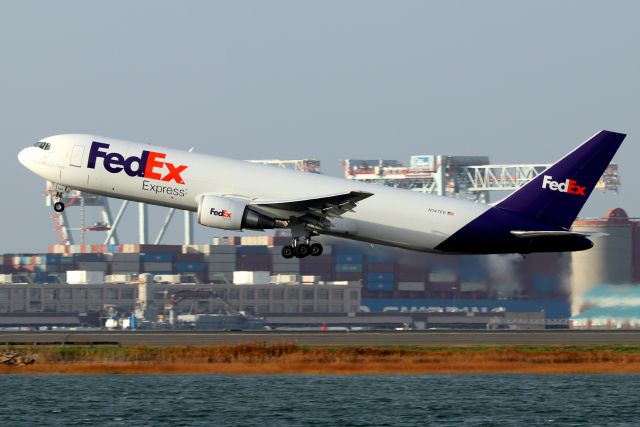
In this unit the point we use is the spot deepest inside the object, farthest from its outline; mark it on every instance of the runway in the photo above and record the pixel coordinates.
(427, 338)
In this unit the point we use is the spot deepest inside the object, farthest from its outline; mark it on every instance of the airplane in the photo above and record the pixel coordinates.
(236, 195)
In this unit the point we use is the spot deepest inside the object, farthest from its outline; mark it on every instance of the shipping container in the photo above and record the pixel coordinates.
(285, 278)
(441, 287)
(442, 276)
(466, 286)
(324, 259)
(411, 286)
(88, 257)
(118, 278)
(220, 276)
(343, 258)
(383, 286)
(251, 277)
(252, 250)
(85, 277)
(221, 266)
(125, 257)
(380, 267)
(183, 267)
(380, 259)
(189, 258)
(125, 267)
(256, 240)
(352, 277)
(219, 258)
(149, 267)
(404, 276)
(92, 266)
(284, 268)
(156, 257)
(348, 268)
(161, 249)
(380, 277)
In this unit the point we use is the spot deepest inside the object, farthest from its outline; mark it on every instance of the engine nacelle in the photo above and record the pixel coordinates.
(231, 214)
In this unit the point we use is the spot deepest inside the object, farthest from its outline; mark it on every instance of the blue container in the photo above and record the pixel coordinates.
(66, 260)
(380, 285)
(159, 272)
(50, 259)
(133, 322)
(545, 284)
(159, 257)
(348, 258)
(91, 257)
(113, 249)
(251, 250)
(382, 259)
(380, 277)
(348, 268)
(189, 266)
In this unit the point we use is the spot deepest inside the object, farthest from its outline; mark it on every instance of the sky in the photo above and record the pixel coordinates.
(521, 82)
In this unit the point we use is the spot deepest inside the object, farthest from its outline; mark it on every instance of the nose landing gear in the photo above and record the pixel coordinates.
(58, 206)
(302, 249)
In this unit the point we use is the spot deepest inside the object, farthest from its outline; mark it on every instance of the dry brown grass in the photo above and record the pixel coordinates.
(288, 358)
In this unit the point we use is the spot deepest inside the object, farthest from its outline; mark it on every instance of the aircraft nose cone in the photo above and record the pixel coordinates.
(23, 157)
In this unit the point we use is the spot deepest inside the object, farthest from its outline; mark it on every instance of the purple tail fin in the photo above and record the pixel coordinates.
(556, 196)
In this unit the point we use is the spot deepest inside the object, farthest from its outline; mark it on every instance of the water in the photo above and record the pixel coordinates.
(206, 400)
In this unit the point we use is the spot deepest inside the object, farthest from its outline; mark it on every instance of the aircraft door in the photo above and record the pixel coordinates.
(76, 156)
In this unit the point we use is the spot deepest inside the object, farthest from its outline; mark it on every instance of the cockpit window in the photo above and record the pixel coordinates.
(42, 145)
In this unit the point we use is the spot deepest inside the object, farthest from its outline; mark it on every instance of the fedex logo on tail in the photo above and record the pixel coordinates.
(149, 165)
(570, 186)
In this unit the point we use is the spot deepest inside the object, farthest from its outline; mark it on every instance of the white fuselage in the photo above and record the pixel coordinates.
(390, 216)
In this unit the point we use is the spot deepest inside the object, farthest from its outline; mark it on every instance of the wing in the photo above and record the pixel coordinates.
(315, 209)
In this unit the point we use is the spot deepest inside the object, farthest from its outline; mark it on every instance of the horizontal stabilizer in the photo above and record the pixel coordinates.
(541, 233)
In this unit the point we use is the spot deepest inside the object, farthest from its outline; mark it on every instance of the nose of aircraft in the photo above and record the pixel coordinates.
(23, 157)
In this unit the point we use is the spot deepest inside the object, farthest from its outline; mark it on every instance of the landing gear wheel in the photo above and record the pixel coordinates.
(58, 206)
(287, 252)
(302, 250)
(316, 249)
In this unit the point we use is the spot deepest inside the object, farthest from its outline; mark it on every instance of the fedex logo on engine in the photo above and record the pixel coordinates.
(149, 165)
(223, 213)
(570, 186)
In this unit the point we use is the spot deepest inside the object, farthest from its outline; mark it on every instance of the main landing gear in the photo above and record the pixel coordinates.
(302, 249)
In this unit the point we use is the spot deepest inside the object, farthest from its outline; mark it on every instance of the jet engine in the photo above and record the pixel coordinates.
(231, 214)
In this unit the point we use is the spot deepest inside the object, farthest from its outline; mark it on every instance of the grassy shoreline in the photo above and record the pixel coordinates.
(290, 358)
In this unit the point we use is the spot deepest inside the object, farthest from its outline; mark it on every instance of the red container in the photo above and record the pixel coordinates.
(410, 268)
(403, 276)
(98, 249)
